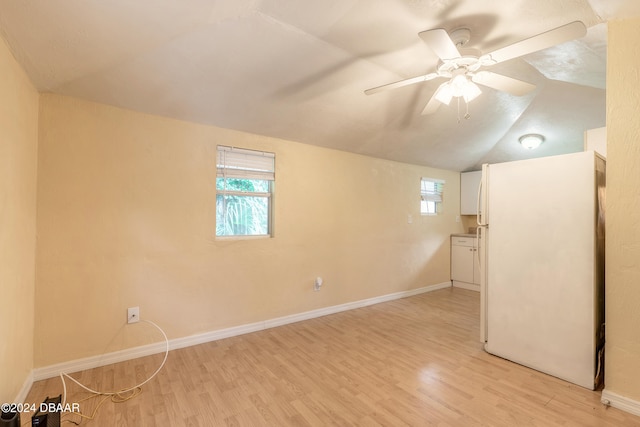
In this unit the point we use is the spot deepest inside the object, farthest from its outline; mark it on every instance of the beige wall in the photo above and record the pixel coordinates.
(469, 223)
(126, 211)
(18, 167)
(623, 210)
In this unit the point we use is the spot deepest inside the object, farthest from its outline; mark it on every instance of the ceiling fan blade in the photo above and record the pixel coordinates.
(503, 83)
(432, 106)
(564, 33)
(441, 44)
(401, 83)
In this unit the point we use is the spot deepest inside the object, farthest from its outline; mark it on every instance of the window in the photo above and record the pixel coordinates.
(431, 196)
(244, 186)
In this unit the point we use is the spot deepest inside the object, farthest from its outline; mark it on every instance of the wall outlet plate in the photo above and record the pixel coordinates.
(133, 314)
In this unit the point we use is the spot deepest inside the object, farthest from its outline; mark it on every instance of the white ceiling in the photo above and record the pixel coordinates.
(297, 69)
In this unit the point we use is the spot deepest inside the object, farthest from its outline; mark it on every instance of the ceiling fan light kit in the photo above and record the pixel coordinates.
(444, 93)
(458, 87)
(464, 71)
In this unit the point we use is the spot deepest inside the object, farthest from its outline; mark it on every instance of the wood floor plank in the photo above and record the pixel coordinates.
(410, 362)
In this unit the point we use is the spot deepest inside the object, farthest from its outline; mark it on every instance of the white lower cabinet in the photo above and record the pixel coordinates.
(465, 271)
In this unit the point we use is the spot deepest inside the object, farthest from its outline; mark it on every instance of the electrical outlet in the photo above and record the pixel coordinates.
(133, 314)
(317, 284)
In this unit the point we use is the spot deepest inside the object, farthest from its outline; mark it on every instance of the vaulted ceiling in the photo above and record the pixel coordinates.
(297, 69)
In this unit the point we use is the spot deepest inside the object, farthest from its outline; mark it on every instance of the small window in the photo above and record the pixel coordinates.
(244, 189)
(431, 196)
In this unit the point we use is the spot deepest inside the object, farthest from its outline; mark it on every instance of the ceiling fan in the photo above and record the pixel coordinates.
(464, 68)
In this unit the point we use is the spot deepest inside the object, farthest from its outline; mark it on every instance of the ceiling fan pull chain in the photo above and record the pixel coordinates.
(458, 99)
(466, 116)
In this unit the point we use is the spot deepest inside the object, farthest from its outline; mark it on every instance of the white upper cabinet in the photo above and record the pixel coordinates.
(469, 184)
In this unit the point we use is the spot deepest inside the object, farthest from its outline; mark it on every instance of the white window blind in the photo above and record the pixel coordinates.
(431, 189)
(242, 163)
(431, 195)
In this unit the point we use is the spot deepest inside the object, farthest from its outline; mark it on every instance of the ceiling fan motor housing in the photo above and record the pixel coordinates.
(460, 36)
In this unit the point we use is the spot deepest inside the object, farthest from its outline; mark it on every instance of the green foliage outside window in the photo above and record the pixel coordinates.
(242, 207)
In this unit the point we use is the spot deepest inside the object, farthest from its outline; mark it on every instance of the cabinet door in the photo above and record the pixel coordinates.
(462, 263)
(469, 183)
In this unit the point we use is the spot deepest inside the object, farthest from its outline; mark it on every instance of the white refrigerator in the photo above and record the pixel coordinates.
(541, 238)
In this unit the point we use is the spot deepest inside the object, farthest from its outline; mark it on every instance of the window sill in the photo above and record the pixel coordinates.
(254, 237)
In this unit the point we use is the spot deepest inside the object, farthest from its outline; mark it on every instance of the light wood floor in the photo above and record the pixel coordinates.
(411, 362)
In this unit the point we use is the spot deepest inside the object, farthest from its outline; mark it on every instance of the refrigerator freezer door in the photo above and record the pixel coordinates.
(540, 270)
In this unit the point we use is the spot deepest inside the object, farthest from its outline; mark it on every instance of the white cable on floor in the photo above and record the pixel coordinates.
(113, 393)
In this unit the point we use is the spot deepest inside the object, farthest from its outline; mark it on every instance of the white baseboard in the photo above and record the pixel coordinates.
(620, 402)
(465, 285)
(22, 394)
(147, 350)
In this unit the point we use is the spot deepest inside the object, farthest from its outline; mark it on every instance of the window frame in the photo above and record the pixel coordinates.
(432, 197)
(245, 164)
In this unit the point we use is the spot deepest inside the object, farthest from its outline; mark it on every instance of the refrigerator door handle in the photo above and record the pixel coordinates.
(481, 234)
(478, 244)
(482, 217)
(478, 206)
